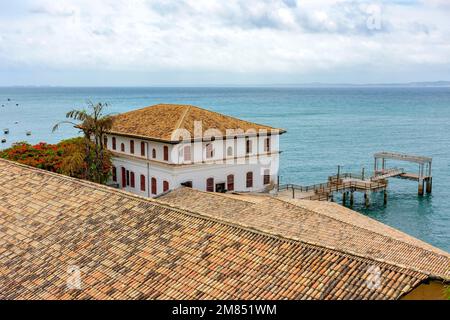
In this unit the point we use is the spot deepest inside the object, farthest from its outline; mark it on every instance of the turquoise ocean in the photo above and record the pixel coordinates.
(325, 127)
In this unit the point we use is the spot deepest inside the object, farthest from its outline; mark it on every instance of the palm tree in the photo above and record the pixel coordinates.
(94, 125)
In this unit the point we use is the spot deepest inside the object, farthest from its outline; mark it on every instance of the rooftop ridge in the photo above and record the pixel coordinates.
(226, 115)
(439, 251)
(157, 122)
(180, 121)
(360, 227)
(347, 253)
(205, 217)
(441, 275)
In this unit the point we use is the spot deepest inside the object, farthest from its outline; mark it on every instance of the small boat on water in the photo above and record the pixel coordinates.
(9, 99)
(3, 140)
(6, 131)
(17, 104)
(28, 133)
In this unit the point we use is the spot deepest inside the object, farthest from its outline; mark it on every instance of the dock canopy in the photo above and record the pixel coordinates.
(402, 157)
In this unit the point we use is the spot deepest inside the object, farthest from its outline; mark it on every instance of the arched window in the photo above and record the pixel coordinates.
(249, 179)
(230, 151)
(142, 182)
(166, 153)
(230, 182)
(154, 153)
(154, 187)
(165, 186)
(266, 176)
(210, 184)
(248, 146)
(143, 148)
(122, 147)
(132, 182)
(187, 153)
(132, 146)
(114, 174)
(105, 142)
(209, 151)
(124, 177)
(267, 145)
(114, 143)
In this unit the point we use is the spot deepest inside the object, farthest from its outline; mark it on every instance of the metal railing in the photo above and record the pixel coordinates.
(334, 185)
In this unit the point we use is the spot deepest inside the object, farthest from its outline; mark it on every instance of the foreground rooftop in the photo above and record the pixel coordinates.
(217, 247)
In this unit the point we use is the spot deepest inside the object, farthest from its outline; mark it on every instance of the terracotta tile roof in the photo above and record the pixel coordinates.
(346, 215)
(130, 247)
(320, 223)
(159, 121)
(213, 204)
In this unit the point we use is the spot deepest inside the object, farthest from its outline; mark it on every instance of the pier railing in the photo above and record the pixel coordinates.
(323, 190)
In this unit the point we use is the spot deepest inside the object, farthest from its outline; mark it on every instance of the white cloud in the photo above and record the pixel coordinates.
(252, 36)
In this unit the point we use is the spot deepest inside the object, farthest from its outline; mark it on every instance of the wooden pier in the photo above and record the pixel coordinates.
(348, 183)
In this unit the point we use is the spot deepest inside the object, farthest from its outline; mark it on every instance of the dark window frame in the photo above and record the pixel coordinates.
(142, 182)
(249, 179)
(143, 148)
(132, 146)
(230, 182)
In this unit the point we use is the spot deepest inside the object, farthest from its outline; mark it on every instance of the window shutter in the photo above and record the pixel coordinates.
(124, 178)
(230, 182)
(114, 174)
(154, 187)
(142, 182)
(132, 146)
(165, 186)
(267, 145)
(132, 184)
(166, 153)
(249, 179)
(114, 143)
(143, 149)
(266, 176)
(248, 146)
(210, 184)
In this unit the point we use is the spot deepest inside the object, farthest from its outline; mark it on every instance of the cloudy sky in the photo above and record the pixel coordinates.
(232, 42)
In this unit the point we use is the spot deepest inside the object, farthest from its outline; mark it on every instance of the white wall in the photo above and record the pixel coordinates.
(149, 145)
(197, 173)
(176, 170)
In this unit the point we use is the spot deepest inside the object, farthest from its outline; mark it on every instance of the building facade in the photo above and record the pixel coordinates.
(162, 147)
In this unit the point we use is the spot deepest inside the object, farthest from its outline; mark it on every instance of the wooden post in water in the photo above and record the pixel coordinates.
(338, 173)
(430, 179)
(420, 189)
(385, 197)
(351, 198)
(344, 196)
(429, 184)
(366, 199)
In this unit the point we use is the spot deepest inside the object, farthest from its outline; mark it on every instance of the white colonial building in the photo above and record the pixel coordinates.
(162, 147)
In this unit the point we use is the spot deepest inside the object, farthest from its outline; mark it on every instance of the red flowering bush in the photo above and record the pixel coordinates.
(66, 157)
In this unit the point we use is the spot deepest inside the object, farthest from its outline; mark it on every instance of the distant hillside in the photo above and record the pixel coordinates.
(406, 84)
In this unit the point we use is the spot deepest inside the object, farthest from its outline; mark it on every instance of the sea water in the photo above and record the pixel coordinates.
(326, 127)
